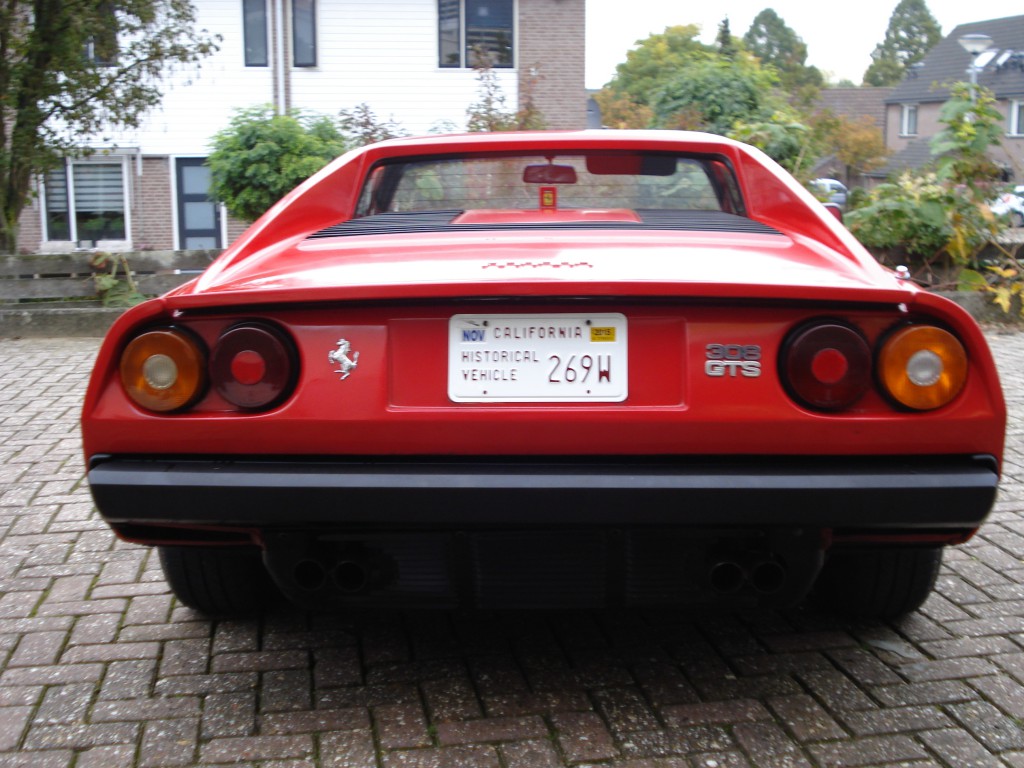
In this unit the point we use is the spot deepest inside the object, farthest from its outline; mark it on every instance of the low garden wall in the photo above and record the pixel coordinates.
(63, 294)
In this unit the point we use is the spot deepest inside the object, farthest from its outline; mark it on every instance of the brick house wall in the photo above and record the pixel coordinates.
(551, 41)
(235, 228)
(152, 213)
(30, 227)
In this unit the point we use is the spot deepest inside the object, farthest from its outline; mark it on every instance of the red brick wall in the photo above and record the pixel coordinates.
(551, 40)
(152, 205)
(149, 203)
(30, 227)
(235, 228)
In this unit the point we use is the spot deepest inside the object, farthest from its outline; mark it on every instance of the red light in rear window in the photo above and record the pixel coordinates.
(826, 365)
(253, 366)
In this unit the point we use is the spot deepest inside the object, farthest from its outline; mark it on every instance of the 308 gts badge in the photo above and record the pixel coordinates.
(733, 360)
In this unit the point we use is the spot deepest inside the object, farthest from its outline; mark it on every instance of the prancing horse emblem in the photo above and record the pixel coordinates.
(340, 357)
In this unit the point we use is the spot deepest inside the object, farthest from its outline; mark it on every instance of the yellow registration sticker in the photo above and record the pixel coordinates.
(606, 333)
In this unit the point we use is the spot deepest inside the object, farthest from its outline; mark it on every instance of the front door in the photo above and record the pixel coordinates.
(198, 215)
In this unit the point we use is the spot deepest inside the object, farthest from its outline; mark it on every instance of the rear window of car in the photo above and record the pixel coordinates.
(634, 181)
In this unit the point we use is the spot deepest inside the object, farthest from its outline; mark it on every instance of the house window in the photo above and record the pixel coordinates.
(304, 32)
(466, 27)
(254, 31)
(1016, 118)
(101, 48)
(908, 121)
(85, 203)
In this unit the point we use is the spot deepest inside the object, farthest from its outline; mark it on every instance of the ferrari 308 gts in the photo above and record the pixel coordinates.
(604, 368)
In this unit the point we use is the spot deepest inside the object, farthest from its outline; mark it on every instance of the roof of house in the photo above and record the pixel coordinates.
(1002, 65)
(916, 154)
(854, 102)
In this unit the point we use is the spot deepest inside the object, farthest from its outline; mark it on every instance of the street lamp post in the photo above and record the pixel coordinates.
(974, 43)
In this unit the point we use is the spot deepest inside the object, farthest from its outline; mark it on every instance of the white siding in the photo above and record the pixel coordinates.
(200, 100)
(379, 52)
(384, 53)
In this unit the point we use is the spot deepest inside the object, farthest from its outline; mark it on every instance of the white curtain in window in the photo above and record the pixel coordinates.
(57, 191)
(99, 188)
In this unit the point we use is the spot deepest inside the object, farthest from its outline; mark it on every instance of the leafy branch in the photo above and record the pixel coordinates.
(116, 286)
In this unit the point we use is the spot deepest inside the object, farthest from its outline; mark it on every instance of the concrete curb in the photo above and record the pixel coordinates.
(78, 322)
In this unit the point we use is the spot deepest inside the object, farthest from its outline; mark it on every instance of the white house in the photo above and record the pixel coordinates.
(407, 59)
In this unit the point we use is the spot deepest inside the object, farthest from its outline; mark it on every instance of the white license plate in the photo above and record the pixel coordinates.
(537, 358)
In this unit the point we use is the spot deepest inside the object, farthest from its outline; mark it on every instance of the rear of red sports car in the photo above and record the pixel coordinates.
(580, 369)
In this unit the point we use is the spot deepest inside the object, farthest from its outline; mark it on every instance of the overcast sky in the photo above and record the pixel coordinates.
(840, 36)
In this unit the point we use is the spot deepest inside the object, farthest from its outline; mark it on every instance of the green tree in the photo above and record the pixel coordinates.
(655, 60)
(971, 127)
(783, 137)
(262, 155)
(69, 70)
(618, 110)
(777, 45)
(858, 144)
(712, 93)
(725, 42)
(627, 101)
(911, 33)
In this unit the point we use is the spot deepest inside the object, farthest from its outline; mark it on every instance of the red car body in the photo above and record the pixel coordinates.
(370, 453)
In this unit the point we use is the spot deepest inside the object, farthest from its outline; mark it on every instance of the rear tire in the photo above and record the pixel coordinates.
(882, 583)
(219, 581)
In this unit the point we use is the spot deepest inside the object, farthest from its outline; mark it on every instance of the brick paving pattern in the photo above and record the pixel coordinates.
(100, 668)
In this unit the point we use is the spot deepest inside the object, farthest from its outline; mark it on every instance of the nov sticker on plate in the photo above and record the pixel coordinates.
(537, 358)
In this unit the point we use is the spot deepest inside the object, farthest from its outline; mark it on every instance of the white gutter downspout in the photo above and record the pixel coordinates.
(280, 57)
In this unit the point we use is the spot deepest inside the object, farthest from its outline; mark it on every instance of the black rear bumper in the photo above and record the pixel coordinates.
(954, 493)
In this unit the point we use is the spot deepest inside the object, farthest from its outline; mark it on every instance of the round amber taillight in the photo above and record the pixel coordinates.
(164, 369)
(253, 366)
(826, 365)
(922, 367)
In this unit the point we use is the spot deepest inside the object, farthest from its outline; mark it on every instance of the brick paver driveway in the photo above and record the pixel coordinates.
(100, 668)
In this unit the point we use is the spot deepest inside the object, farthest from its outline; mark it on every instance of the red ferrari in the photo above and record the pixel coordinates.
(604, 368)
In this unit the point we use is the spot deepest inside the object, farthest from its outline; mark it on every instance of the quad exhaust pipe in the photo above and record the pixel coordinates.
(351, 570)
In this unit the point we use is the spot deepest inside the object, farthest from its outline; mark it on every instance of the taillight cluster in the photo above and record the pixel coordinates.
(253, 366)
(828, 365)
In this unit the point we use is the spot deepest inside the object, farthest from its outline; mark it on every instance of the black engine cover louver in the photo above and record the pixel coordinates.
(444, 222)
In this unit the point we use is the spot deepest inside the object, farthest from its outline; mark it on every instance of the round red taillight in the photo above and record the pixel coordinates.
(164, 369)
(253, 366)
(826, 366)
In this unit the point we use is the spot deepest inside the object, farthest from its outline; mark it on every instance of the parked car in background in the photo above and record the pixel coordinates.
(1011, 205)
(831, 191)
(605, 368)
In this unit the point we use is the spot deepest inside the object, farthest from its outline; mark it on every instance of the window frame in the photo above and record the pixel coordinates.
(102, 50)
(463, 34)
(255, 15)
(310, 60)
(909, 115)
(74, 236)
(1015, 123)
